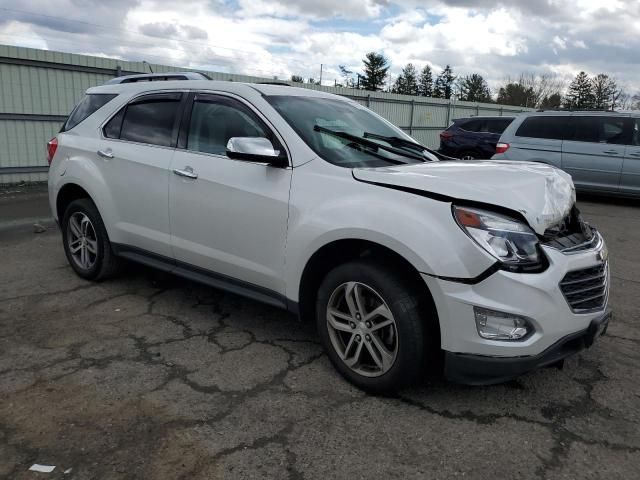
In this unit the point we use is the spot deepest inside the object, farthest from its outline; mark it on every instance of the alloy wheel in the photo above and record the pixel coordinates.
(362, 329)
(82, 240)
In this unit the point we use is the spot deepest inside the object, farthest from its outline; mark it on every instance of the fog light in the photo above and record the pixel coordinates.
(495, 325)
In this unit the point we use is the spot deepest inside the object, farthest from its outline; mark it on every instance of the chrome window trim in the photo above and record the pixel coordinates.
(124, 105)
(257, 112)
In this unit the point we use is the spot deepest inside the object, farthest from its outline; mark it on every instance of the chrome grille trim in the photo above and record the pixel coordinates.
(578, 288)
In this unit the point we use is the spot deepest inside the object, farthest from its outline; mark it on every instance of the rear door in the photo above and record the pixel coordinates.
(630, 178)
(134, 155)
(594, 150)
(228, 216)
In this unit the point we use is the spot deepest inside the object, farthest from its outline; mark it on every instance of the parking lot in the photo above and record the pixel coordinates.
(151, 376)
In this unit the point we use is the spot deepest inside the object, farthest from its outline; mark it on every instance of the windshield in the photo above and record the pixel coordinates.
(318, 119)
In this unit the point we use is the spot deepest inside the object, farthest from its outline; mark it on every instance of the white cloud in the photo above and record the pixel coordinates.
(496, 38)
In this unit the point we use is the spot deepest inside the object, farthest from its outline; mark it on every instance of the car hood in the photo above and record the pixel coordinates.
(543, 194)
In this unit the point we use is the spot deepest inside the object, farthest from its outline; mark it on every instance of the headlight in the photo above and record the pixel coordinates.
(510, 241)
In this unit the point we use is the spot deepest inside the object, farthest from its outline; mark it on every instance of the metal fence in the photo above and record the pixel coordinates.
(38, 89)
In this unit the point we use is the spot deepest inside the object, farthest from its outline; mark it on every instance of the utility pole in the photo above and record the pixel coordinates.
(320, 74)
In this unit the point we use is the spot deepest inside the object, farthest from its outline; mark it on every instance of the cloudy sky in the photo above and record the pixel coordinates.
(496, 38)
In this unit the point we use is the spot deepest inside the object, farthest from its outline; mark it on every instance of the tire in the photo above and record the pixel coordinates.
(414, 326)
(469, 155)
(81, 219)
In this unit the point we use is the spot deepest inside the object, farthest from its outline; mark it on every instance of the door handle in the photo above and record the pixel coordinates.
(186, 172)
(105, 153)
(611, 152)
(634, 154)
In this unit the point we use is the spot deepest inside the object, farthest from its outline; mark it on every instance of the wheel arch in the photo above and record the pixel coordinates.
(340, 251)
(67, 194)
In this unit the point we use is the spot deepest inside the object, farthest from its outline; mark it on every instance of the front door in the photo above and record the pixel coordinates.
(227, 216)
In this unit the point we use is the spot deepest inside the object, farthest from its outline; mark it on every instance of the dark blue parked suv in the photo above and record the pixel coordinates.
(473, 137)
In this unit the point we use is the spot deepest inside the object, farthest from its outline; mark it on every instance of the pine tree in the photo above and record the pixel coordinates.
(580, 93)
(425, 83)
(474, 88)
(400, 85)
(376, 67)
(444, 83)
(407, 81)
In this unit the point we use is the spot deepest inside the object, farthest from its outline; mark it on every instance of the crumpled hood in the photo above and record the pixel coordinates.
(543, 194)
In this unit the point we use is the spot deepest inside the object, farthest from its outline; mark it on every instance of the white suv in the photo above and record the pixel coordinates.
(407, 261)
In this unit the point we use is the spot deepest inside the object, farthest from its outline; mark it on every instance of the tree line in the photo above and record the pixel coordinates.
(600, 92)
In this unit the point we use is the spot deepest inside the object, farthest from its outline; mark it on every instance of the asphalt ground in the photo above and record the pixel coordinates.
(150, 376)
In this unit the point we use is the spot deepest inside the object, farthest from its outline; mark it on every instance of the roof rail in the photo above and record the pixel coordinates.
(590, 110)
(274, 82)
(158, 77)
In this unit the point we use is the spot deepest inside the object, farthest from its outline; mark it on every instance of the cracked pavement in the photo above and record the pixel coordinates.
(152, 376)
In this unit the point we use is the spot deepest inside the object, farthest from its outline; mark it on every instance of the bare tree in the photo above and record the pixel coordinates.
(530, 89)
(605, 92)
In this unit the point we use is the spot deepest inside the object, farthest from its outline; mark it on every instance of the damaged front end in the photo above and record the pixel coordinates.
(571, 234)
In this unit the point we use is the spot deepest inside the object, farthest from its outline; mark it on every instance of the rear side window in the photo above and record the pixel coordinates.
(499, 125)
(151, 119)
(87, 106)
(552, 128)
(601, 129)
(477, 125)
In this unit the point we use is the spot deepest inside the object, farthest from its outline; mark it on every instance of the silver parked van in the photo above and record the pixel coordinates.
(600, 150)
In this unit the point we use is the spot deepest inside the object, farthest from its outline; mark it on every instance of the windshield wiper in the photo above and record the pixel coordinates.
(403, 142)
(369, 143)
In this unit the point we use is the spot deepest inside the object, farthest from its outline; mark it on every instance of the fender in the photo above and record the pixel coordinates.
(362, 211)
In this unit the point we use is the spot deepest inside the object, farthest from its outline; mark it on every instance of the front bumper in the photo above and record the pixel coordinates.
(484, 370)
(536, 296)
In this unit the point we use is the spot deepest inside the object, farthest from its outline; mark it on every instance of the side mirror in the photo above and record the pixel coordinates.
(255, 149)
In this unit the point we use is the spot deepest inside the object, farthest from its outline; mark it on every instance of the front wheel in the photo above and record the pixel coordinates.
(371, 322)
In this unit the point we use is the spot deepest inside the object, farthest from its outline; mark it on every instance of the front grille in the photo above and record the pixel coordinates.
(587, 289)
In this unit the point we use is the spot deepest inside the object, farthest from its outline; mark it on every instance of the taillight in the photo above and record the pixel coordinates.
(446, 135)
(502, 147)
(52, 146)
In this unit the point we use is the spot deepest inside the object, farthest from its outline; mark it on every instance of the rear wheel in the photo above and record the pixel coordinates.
(469, 155)
(371, 323)
(86, 243)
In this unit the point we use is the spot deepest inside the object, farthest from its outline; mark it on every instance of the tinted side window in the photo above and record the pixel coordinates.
(476, 125)
(152, 119)
(499, 125)
(552, 128)
(636, 132)
(87, 106)
(113, 126)
(599, 129)
(214, 120)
